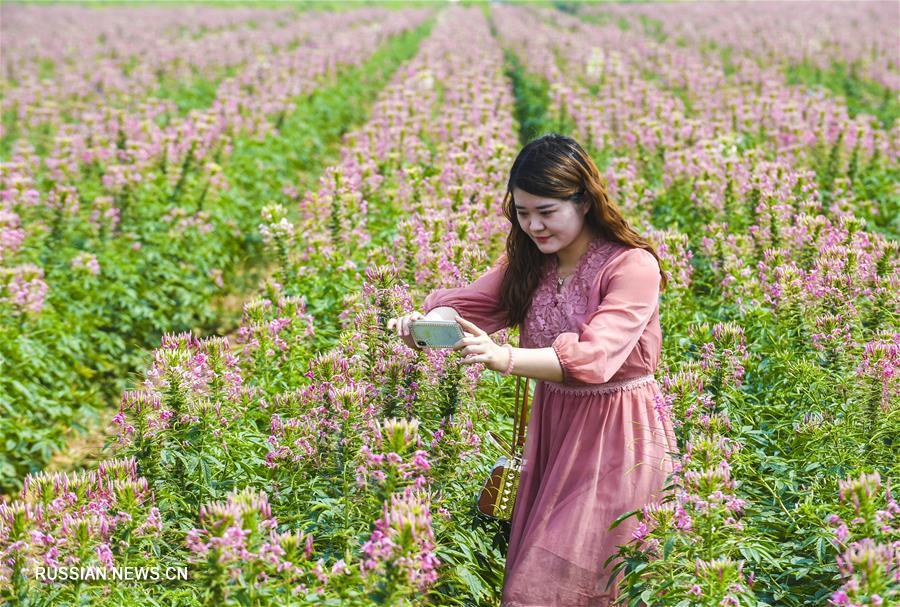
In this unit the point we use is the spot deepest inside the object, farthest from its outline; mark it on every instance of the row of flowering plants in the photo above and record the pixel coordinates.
(690, 136)
(137, 221)
(842, 45)
(107, 58)
(285, 473)
(379, 419)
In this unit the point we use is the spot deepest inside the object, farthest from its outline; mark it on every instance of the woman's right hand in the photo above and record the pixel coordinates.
(400, 325)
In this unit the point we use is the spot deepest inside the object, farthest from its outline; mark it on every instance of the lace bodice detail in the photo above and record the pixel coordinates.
(552, 313)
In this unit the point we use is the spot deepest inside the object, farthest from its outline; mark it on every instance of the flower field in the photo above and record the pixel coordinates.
(208, 214)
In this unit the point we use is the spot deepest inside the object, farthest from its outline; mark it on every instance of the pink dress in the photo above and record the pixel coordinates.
(595, 447)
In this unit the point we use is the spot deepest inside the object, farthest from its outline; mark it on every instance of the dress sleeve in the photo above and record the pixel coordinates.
(478, 302)
(611, 332)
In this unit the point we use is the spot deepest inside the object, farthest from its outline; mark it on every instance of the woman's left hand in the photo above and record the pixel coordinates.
(480, 348)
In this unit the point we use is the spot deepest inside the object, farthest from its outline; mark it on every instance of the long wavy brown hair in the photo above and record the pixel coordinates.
(555, 166)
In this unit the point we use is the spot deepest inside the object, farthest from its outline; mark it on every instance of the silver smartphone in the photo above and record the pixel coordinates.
(435, 333)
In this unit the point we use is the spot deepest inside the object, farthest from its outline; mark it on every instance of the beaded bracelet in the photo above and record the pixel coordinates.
(509, 367)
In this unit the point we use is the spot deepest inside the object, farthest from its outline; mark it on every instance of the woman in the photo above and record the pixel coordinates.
(583, 288)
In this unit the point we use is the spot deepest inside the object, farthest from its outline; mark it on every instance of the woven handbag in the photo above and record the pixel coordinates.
(498, 497)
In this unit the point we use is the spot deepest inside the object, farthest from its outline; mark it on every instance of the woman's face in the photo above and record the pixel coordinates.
(553, 224)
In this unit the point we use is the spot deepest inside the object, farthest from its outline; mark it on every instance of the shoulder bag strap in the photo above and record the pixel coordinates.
(520, 417)
(512, 452)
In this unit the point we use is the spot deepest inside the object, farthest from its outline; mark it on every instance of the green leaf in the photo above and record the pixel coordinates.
(474, 584)
(623, 517)
(667, 548)
(820, 548)
(190, 463)
(749, 553)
